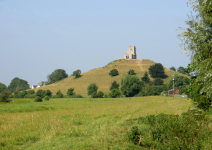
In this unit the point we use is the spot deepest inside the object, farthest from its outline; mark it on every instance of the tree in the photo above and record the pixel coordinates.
(158, 81)
(4, 95)
(57, 75)
(77, 73)
(30, 92)
(100, 94)
(131, 72)
(130, 85)
(18, 85)
(22, 94)
(197, 41)
(172, 68)
(92, 88)
(114, 85)
(2, 87)
(157, 71)
(114, 72)
(59, 94)
(179, 82)
(70, 91)
(145, 78)
(181, 69)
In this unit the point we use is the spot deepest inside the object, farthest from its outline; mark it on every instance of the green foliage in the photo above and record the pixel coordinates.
(70, 91)
(114, 93)
(2, 87)
(157, 71)
(114, 72)
(197, 41)
(114, 85)
(181, 69)
(179, 82)
(100, 94)
(130, 85)
(59, 94)
(46, 98)
(30, 92)
(131, 72)
(40, 93)
(22, 94)
(48, 93)
(38, 99)
(172, 131)
(172, 68)
(145, 78)
(18, 85)
(4, 95)
(158, 81)
(77, 73)
(78, 96)
(28, 96)
(92, 88)
(57, 75)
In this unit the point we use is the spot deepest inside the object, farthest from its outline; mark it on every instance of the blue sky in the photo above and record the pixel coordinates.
(40, 36)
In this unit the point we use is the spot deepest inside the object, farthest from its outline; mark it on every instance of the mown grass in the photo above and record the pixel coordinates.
(83, 123)
(102, 78)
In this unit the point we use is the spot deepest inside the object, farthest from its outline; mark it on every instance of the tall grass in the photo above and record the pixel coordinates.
(82, 123)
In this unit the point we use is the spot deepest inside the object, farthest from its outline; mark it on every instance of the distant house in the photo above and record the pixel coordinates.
(176, 91)
(36, 86)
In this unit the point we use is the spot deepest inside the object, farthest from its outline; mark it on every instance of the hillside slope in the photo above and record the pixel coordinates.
(102, 78)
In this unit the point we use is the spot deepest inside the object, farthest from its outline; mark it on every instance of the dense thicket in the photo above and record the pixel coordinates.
(18, 85)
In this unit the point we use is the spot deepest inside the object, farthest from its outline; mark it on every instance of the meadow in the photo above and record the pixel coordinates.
(84, 123)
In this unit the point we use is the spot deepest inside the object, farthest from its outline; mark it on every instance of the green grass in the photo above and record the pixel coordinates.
(82, 123)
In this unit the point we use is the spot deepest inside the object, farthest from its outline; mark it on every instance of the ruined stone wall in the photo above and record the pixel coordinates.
(131, 53)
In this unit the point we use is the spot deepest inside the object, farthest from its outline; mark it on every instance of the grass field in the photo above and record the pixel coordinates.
(102, 78)
(78, 123)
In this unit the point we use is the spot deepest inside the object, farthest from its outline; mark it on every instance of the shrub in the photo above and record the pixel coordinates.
(48, 93)
(40, 93)
(114, 72)
(79, 96)
(70, 91)
(100, 94)
(131, 72)
(30, 92)
(46, 98)
(114, 85)
(59, 94)
(105, 96)
(187, 131)
(94, 95)
(77, 73)
(30, 96)
(145, 78)
(92, 88)
(4, 95)
(130, 85)
(38, 99)
(22, 94)
(114, 93)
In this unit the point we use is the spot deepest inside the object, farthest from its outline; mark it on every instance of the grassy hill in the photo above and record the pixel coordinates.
(102, 78)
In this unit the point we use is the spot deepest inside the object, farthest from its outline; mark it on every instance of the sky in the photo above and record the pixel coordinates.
(40, 36)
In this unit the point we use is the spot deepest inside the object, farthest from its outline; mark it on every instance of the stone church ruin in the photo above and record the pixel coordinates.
(131, 53)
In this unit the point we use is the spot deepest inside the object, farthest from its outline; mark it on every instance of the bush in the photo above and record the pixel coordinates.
(131, 72)
(30, 96)
(130, 85)
(59, 94)
(114, 93)
(30, 92)
(187, 131)
(22, 94)
(40, 93)
(79, 96)
(105, 96)
(4, 95)
(38, 99)
(145, 78)
(114, 85)
(92, 88)
(70, 91)
(114, 72)
(94, 95)
(77, 73)
(46, 98)
(100, 94)
(48, 93)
